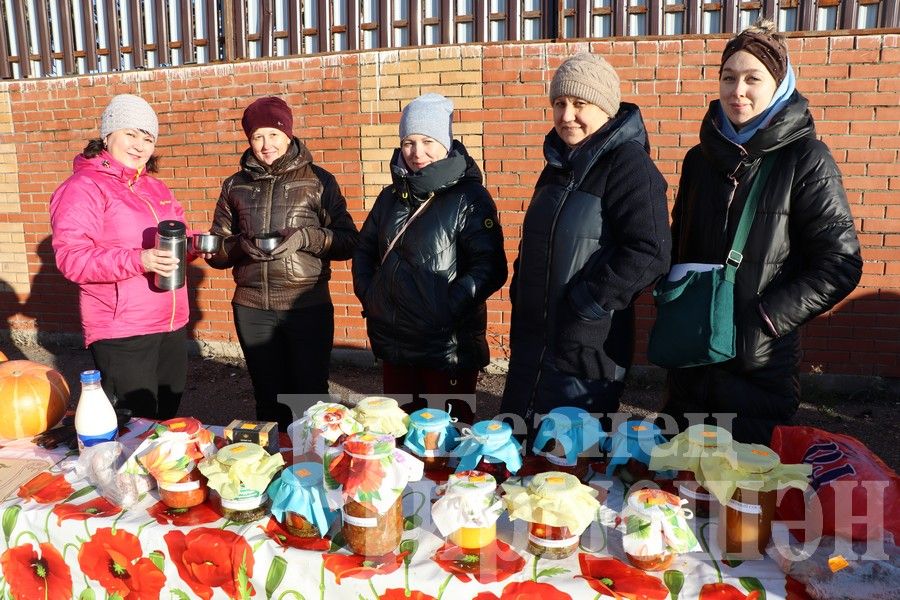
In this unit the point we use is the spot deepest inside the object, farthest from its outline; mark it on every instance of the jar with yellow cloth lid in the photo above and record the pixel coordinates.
(467, 510)
(380, 414)
(557, 507)
(239, 474)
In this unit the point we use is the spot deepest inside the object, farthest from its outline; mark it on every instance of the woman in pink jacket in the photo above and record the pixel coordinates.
(104, 219)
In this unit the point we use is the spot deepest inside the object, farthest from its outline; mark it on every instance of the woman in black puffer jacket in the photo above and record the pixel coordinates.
(430, 254)
(802, 255)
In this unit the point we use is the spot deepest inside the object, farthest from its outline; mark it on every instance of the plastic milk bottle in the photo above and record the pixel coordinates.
(95, 418)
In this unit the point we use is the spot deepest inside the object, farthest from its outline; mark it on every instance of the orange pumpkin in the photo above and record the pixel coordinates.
(2, 357)
(33, 398)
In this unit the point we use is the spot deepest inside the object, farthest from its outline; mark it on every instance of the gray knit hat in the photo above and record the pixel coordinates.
(589, 77)
(431, 115)
(127, 111)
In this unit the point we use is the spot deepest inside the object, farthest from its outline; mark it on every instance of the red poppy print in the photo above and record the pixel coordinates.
(361, 567)
(725, 591)
(115, 560)
(400, 594)
(614, 578)
(34, 577)
(46, 488)
(356, 475)
(98, 507)
(281, 536)
(526, 590)
(496, 562)
(181, 517)
(209, 558)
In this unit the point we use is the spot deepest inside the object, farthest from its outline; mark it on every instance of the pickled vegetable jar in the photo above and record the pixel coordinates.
(239, 474)
(298, 500)
(564, 438)
(431, 437)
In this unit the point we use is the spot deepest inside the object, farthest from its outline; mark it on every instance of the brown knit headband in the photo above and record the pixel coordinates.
(769, 51)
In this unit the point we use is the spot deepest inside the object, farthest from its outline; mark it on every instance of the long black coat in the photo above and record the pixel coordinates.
(801, 258)
(596, 234)
(425, 305)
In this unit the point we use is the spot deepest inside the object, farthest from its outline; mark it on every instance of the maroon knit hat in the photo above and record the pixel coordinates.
(270, 111)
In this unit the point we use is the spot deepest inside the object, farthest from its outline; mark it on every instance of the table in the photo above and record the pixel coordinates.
(64, 541)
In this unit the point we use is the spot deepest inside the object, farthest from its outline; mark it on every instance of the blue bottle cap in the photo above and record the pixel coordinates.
(92, 376)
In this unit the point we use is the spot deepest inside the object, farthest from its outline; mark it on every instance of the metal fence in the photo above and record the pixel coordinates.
(46, 38)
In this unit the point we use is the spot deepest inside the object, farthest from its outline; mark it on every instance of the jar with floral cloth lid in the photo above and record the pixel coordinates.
(557, 507)
(565, 436)
(655, 529)
(170, 454)
(630, 448)
(324, 424)
(746, 482)
(298, 501)
(683, 453)
(467, 510)
(490, 447)
(380, 414)
(239, 474)
(365, 480)
(431, 437)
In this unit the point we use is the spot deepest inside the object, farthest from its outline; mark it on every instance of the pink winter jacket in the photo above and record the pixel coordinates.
(102, 217)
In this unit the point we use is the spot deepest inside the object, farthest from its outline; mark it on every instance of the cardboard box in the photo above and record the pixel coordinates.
(264, 433)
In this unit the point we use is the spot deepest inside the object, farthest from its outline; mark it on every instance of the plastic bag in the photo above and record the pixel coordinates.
(852, 493)
(100, 466)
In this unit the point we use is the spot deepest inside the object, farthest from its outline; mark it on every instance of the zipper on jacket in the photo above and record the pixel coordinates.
(265, 265)
(156, 218)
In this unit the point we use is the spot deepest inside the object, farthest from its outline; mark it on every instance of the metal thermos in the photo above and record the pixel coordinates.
(170, 235)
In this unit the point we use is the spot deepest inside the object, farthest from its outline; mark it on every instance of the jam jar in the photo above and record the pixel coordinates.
(702, 440)
(749, 513)
(467, 510)
(564, 438)
(490, 447)
(380, 414)
(655, 529)
(228, 471)
(323, 425)
(629, 455)
(298, 501)
(190, 491)
(431, 437)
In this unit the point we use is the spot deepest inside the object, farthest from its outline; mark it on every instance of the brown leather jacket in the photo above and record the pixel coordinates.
(298, 199)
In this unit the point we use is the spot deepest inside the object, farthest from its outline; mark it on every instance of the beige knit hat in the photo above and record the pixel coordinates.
(589, 77)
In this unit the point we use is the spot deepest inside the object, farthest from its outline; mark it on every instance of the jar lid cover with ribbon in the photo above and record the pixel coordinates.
(554, 498)
(300, 490)
(633, 439)
(172, 450)
(490, 439)
(431, 421)
(241, 468)
(368, 468)
(684, 450)
(655, 522)
(469, 499)
(572, 427)
(751, 467)
(383, 415)
(322, 424)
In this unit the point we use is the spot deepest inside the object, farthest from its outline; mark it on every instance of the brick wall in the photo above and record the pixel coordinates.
(347, 109)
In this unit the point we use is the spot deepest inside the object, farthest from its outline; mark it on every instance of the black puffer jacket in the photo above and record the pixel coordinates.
(802, 255)
(290, 194)
(425, 305)
(595, 235)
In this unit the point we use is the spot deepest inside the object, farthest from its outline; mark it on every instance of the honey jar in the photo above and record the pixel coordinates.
(467, 510)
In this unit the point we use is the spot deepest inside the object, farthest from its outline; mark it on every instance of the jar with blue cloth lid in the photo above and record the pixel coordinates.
(563, 440)
(298, 501)
(490, 447)
(630, 449)
(431, 437)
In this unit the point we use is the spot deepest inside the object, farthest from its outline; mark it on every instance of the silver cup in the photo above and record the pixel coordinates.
(206, 243)
(268, 241)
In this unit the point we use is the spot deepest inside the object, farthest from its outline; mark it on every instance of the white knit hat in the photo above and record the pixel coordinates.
(127, 111)
(429, 114)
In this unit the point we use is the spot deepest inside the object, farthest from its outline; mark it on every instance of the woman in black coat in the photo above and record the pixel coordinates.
(595, 235)
(802, 255)
(430, 255)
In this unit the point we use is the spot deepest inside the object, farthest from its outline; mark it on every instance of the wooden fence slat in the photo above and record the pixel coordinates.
(161, 32)
(265, 28)
(5, 67)
(295, 35)
(448, 24)
(353, 31)
(137, 34)
(323, 20)
(68, 39)
(43, 26)
(22, 39)
(187, 33)
(89, 34)
(414, 20)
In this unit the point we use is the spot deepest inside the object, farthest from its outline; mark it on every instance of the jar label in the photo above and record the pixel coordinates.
(750, 509)
(693, 494)
(182, 486)
(244, 503)
(86, 441)
(563, 543)
(367, 522)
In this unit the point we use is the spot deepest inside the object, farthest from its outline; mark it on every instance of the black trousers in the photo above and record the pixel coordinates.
(144, 373)
(287, 352)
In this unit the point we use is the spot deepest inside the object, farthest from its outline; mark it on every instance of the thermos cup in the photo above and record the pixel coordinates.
(170, 235)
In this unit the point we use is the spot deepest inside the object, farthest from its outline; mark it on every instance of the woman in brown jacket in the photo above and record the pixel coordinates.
(282, 306)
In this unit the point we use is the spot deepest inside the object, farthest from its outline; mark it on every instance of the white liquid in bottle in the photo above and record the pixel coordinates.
(95, 418)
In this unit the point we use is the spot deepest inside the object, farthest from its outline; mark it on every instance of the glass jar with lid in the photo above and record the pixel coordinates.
(298, 501)
(557, 507)
(655, 529)
(380, 414)
(431, 437)
(323, 425)
(565, 436)
(630, 448)
(490, 447)
(239, 474)
(365, 479)
(467, 510)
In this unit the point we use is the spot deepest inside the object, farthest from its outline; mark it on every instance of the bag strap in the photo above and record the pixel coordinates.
(735, 255)
(405, 227)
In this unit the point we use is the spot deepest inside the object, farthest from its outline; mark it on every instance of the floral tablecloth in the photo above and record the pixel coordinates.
(62, 540)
